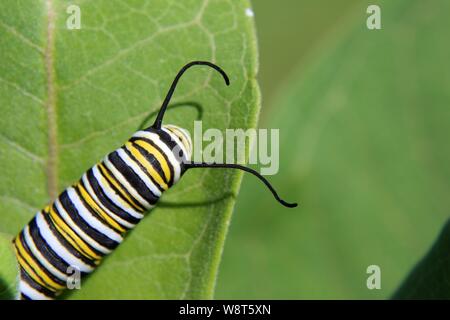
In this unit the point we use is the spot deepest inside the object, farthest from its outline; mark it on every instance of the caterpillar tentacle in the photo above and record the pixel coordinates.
(90, 219)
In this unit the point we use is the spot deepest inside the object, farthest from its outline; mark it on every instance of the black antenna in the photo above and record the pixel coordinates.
(237, 166)
(159, 117)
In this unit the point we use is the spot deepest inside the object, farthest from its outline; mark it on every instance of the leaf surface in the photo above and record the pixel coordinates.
(364, 129)
(430, 278)
(68, 97)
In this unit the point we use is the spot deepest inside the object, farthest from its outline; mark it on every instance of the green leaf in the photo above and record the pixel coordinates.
(8, 270)
(430, 278)
(287, 32)
(68, 97)
(364, 129)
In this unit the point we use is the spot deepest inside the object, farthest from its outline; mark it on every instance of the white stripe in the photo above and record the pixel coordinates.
(142, 175)
(58, 247)
(66, 217)
(90, 219)
(30, 292)
(178, 141)
(183, 132)
(113, 216)
(116, 173)
(113, 196)
(30, 243)
(164, 148)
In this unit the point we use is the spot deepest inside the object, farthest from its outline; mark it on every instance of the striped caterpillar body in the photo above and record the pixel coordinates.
(90, 219)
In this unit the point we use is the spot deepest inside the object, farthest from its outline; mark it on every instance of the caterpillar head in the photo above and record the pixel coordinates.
(182, 139)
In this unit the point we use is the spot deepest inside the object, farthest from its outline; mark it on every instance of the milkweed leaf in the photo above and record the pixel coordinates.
(69, 96)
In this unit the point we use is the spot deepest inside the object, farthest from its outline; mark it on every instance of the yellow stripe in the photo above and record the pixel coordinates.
(28, 269)
(180, 136)
(87, 197)
(158, 155)
(72, 237)
(119, 188)
(123, 202)
(31, 267)
(31, 273)
(68, 239)
(153, 173)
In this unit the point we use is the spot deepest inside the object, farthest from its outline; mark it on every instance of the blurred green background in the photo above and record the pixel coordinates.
(364, 126)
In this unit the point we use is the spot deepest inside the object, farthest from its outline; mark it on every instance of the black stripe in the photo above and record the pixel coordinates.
(160, 188)
(93, 211)
(39, 263)
(96, 213)
(165, 138)
(86, 243)
(23, 296)
(46, 251)
(72, 250)
(25, 277)
(179, 135)
(96, 235)
(151, 158)
(25, 262)
(104, 169)
(132, 178)
(171, 144)
(104, 199)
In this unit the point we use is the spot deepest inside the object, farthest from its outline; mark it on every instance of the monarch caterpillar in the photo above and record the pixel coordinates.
(89, 219)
